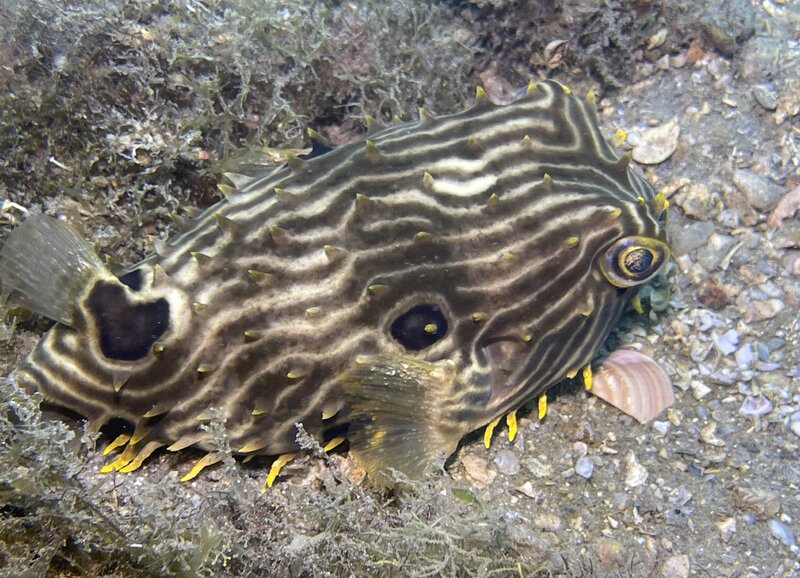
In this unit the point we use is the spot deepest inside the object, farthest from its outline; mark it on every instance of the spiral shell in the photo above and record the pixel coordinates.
(633, 383)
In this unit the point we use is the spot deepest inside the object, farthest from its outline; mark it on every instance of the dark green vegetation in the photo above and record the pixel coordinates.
(116, 114)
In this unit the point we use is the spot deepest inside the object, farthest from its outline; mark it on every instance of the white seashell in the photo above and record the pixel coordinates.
(634, 384)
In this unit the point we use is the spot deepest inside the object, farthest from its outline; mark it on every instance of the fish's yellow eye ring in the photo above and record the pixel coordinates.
(631, 261)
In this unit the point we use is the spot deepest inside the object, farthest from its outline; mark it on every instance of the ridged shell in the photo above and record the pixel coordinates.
(634, 384)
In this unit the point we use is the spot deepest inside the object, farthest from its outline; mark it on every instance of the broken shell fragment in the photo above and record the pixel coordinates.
(633, 383)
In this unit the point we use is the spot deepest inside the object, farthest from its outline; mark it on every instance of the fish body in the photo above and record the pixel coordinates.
(401, 291)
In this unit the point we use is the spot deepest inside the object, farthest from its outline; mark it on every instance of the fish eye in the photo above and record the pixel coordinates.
(419, 327)
(634, 260)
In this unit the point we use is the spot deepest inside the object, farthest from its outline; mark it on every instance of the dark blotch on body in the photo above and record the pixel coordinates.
(126, 331)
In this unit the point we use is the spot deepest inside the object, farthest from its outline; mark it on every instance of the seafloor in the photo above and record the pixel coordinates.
(115, 114)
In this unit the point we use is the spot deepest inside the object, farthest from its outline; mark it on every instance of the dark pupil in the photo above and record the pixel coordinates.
(638, 261)
(419, 327)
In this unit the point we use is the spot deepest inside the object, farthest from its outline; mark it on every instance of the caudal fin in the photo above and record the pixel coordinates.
(44, 267)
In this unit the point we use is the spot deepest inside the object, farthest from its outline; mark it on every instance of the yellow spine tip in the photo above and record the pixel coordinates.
(542, 406)
(619, 137)
(587, 377)
(204, 462)
(119, 441)
(333, 444)
(511, 422)
(275, 469)
(376, 289)
(572, 241)
(487, 433)
(251, 335)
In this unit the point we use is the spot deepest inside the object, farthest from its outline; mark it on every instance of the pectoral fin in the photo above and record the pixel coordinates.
(396, 419)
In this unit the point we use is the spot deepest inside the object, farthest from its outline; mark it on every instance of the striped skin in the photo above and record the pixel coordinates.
(281, 299)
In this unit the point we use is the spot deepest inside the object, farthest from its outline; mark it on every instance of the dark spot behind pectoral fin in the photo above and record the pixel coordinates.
(126, 331)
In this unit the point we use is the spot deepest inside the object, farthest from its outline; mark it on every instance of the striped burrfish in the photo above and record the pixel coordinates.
(398, 293)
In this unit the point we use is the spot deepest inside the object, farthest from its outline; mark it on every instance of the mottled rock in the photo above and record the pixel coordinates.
(759, 191)
(548, 522)
(655, 145)
(584, 467)
(507, 462)
(609, 553)
(478, 471)
(737, 203)
(675, 567)
(782, 532)
(763, 503)
(691, 237)
(760, 58)
(712, 294)
(698, 201)
(765, 96)
(759, 310)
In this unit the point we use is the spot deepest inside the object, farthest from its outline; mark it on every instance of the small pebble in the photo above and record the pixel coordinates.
(477, 470)
(709, 435)
(635, 474)
(661, 427)
(745, 356)
(610, 553)
(756, 406)
(548, 522)
(699, 389)
(765, 96)
(782, 532)
(507, 462)
(760, 310)
(527, 489)
(675, 567)
(584, 467)
(725, 343)
(727, 527)
(760, 191)
(657, 144)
